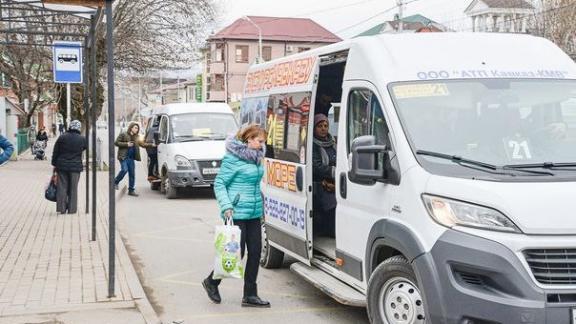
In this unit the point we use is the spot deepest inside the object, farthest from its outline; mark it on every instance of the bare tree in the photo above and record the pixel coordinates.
(31, 77)
(156, 34)
(30, 67)
(555, 21)
(149, 34)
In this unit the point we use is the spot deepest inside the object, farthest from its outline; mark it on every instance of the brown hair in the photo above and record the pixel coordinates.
(250, 132)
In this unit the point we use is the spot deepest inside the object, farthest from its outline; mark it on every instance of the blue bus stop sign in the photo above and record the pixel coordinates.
(67, 62)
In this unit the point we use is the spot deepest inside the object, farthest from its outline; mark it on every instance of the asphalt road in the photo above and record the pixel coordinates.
(171, 242)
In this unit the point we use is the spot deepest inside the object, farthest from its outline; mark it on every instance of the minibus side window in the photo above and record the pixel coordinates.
(287, 126)
(365, 117)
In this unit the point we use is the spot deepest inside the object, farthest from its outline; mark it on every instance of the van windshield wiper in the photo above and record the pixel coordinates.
(470, 163)
(457, 159)
(545, 165)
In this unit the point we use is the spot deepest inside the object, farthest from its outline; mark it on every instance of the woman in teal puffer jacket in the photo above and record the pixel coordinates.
(237, 189)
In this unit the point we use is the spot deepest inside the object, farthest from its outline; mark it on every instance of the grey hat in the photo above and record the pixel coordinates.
(75, 125)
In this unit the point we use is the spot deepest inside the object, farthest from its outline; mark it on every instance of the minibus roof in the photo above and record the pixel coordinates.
(185, 108)
(389, 58)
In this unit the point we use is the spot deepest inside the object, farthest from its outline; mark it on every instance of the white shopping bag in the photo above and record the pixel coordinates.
(228, 261)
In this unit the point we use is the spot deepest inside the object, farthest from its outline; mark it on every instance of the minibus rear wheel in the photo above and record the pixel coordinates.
(393, 294)
(270, 257)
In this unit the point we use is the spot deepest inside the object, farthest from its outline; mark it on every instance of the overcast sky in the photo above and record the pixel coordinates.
(345, 18)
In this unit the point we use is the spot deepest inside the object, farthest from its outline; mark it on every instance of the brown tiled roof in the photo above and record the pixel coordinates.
(278, 29)
(520, 4)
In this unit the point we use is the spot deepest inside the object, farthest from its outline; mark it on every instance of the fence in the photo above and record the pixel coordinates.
(22, 140)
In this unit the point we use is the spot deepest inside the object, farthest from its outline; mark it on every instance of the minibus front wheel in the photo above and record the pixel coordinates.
(393, 294)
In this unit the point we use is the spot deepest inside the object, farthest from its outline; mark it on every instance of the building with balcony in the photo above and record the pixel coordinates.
(231, 51)
(500, 16)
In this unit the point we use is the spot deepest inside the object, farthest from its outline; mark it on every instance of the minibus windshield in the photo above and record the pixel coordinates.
(202, 126)
(499, 122)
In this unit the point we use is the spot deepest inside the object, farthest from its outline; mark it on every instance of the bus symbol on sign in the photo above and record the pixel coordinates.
(67, 62)
(71, 58)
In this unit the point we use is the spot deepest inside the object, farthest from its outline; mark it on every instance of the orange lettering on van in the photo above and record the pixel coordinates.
(292, 178)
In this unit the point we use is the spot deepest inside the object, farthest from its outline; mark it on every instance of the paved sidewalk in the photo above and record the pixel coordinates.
(49, 265)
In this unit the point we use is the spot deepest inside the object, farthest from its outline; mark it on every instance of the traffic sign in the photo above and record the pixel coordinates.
(67, 62)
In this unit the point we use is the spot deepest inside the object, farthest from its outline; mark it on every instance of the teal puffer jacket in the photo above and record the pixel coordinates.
(237, 185)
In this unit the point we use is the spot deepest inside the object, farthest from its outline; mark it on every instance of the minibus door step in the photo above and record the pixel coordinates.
(331, 286)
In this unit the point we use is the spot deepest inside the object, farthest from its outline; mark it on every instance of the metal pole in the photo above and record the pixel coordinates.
(94, 128)
(140, 100)
(259, 45)
(68, 104)
(400, 16)
(111, 161)
(161, 90)
(87, 123)
(259, 58)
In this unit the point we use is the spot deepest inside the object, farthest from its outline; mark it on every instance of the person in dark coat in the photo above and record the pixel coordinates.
(67, 161)
(152, 150)
(42, 135)
(323, 169)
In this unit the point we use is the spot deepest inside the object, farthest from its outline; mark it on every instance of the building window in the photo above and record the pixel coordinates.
(219, 53)
(241, 53)
(267, 53)
(218, 83)
(303, 49)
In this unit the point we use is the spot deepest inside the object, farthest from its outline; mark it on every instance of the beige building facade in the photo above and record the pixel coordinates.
(232, 51)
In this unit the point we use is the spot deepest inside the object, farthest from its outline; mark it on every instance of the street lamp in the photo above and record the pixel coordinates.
(259, 58)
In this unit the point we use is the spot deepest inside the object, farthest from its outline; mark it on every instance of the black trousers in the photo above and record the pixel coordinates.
(153, 163)
(67, 192)
(250, 239)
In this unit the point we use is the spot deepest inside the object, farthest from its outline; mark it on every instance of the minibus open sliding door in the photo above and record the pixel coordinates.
(287, 183)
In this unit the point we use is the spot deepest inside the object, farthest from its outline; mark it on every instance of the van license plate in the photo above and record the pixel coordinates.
(210, 170)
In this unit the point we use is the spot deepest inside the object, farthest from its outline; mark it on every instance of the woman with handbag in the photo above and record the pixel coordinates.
(67, 161)
(323, 169)
(237, 190)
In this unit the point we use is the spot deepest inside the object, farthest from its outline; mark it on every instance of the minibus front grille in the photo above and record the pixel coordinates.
(552, 266)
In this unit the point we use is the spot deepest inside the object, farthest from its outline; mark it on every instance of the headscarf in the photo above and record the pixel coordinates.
(75, 125)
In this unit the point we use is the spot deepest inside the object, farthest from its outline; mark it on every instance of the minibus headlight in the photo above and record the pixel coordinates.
(183, 163)
(452, 213)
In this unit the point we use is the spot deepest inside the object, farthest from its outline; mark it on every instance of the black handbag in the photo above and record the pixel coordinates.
(50, 193)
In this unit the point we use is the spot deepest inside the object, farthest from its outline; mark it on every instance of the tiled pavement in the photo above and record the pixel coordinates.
(48, 263)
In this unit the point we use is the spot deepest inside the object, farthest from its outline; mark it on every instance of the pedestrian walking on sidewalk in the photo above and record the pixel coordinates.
(42, 135)
(67, 161)
(7, 150)
(129, 144)
(239, 181)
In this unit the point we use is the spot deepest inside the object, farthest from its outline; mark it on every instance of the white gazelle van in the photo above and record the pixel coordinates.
(455, 175)
(191, 143)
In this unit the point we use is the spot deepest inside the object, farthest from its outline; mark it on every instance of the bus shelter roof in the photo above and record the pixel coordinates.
(38, 23)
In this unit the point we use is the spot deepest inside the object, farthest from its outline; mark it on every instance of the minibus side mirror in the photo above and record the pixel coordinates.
(365, 156)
